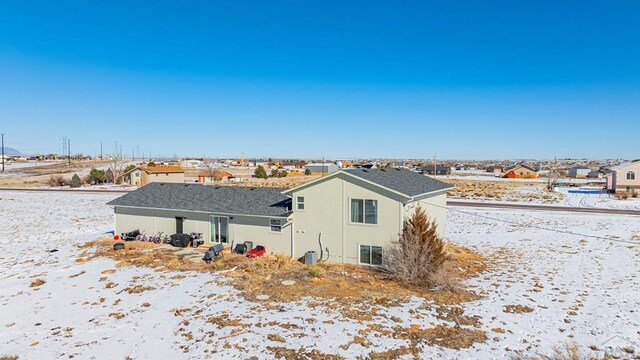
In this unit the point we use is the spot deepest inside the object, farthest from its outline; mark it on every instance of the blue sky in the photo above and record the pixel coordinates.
(462, 79)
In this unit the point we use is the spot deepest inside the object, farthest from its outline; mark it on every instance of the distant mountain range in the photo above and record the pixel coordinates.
(11, 151)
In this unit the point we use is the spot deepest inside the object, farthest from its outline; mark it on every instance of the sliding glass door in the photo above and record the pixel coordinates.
(219, 229)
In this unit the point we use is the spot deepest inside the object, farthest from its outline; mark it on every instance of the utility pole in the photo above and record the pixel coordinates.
(101, 158)
(69, 150)
(2, 152)
(435, 165)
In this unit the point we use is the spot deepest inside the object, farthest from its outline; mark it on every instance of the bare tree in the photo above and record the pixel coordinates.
(553, 176)
(116, 164)
(212, 171)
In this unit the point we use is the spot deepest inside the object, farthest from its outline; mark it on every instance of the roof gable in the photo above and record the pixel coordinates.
(400, 180)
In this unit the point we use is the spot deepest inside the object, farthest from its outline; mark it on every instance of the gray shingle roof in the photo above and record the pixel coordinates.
(403, 181)
(205, 198)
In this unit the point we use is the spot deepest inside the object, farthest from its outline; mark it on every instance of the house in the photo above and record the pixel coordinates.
(436, 170)
(579, 172)
(624, 177)
(348, 216)
(521, 171)
(495, 169)
(322, 168)
(595, 174)
(143, 175)
(209, 177)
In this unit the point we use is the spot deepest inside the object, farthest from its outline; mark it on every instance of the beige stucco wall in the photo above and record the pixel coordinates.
(326, 217)
(241, 228)
(166, 177)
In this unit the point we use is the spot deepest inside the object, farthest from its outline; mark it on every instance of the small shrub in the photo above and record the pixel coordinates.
(307, 171)
(282, 173)
(634, 194)
(316, 271)
(622, 195)
(76, 182)
(446, 279)
(56, 180)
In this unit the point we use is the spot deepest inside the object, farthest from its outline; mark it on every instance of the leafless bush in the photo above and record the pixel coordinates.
(622, 195)
(56, 180)
(446, 279)
(418, 254)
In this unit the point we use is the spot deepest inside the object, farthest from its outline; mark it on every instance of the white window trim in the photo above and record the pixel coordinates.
(281, 226)
(298, 203)
(633, 177)
(364, 201)
(370, 255)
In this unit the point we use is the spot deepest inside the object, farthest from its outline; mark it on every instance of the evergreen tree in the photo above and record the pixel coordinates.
(75, 181)
(260, 172)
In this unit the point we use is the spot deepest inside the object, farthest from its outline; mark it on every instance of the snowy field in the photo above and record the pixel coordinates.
(583, 200)
(578, 280)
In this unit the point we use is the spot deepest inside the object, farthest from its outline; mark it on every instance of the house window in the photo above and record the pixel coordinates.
(371, 255)
(275, 225)
(364, 211)
(300, 202)
(631, 175)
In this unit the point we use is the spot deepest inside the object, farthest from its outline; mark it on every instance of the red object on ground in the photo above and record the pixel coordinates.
(257, 251)
(116, 237)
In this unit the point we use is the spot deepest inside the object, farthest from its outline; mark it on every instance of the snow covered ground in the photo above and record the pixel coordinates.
(583, 200)
(581, 288)
(598, 201)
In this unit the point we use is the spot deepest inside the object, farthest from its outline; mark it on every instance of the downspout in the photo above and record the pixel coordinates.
(293, 231)
(343, 205)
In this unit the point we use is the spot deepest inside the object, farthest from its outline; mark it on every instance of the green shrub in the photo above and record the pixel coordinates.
(260, 172)
(316, 271)
(76, 182)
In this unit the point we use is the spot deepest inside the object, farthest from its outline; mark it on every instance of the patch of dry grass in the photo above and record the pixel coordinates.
(301, 353)
(517, 309)
(37, 282)
(441, 335)
(500, 190)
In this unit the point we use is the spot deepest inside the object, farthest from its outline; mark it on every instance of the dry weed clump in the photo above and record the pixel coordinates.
(517, 309)
(301, 353)
(37, 282)
(441, 335)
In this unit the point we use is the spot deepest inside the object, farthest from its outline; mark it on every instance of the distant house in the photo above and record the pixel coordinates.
(624, 177)
(495, 169)
(521, 171)
(595, 174)
(143, 175)
(349, 216)
(579, 172)
(322, 168)
(436, 170)
(205, 176)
